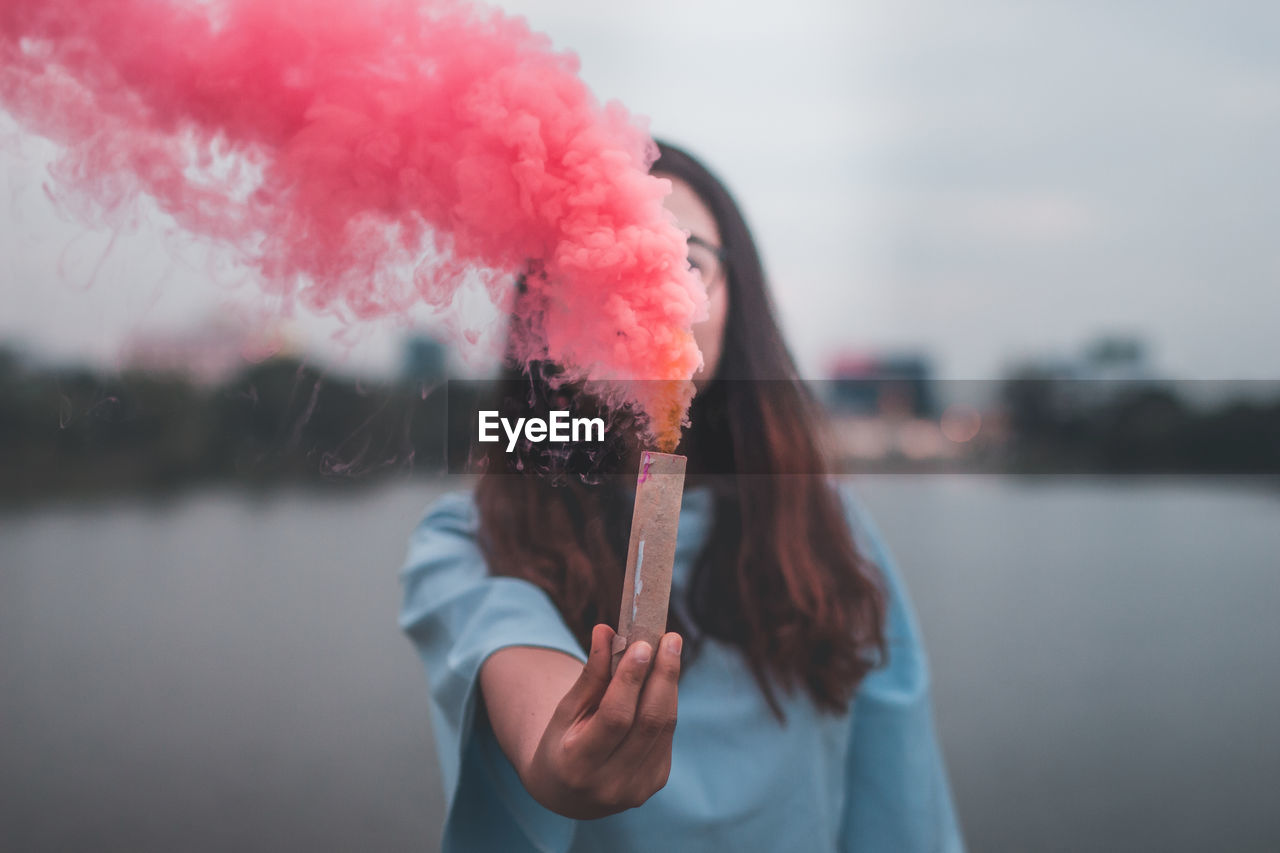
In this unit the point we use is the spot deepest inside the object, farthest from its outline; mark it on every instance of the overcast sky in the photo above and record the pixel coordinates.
(979, 181)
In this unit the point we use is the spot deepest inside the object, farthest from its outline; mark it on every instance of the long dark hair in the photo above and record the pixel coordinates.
(779, 576)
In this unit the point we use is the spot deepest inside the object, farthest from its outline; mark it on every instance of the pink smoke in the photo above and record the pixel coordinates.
(369, 156)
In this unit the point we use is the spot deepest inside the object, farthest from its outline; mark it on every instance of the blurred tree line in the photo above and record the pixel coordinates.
(283, 421)
(78, 431)
(1116, 427)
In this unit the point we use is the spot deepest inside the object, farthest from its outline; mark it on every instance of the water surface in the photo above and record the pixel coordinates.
(221, 672)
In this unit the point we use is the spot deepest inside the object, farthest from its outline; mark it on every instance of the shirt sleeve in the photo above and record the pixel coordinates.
(456, 615)
(896, 792)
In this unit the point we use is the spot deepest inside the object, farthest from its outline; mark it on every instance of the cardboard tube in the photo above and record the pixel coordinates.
(651, 554)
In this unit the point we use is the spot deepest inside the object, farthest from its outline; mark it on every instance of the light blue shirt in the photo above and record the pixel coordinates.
(868, 780)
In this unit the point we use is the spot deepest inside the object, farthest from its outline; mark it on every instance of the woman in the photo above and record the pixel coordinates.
(794, 670)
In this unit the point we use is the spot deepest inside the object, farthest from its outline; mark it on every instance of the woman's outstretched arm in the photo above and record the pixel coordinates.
(585, 745)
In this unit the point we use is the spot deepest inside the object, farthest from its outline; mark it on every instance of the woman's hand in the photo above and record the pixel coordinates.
(607, 746)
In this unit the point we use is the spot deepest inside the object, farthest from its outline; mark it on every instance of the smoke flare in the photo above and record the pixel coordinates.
(365, 157)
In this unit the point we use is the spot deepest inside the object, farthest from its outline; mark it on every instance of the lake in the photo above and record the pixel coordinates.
(223, 671)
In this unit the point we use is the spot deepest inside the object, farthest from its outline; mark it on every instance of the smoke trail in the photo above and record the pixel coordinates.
(369, 156)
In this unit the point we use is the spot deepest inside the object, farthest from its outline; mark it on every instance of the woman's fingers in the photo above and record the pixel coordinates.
(589, 689)
(612, 720)
(607, 746)
(654, 726)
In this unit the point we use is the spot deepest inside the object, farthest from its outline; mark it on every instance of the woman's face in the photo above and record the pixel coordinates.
(704, 246)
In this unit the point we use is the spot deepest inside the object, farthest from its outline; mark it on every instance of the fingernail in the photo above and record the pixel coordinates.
(643, 652)
(674, 645)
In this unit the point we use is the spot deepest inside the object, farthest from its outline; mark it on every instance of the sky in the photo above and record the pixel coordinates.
(980, 182)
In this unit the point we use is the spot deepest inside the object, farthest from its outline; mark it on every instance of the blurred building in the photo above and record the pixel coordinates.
(886, 411)
(893, 385)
